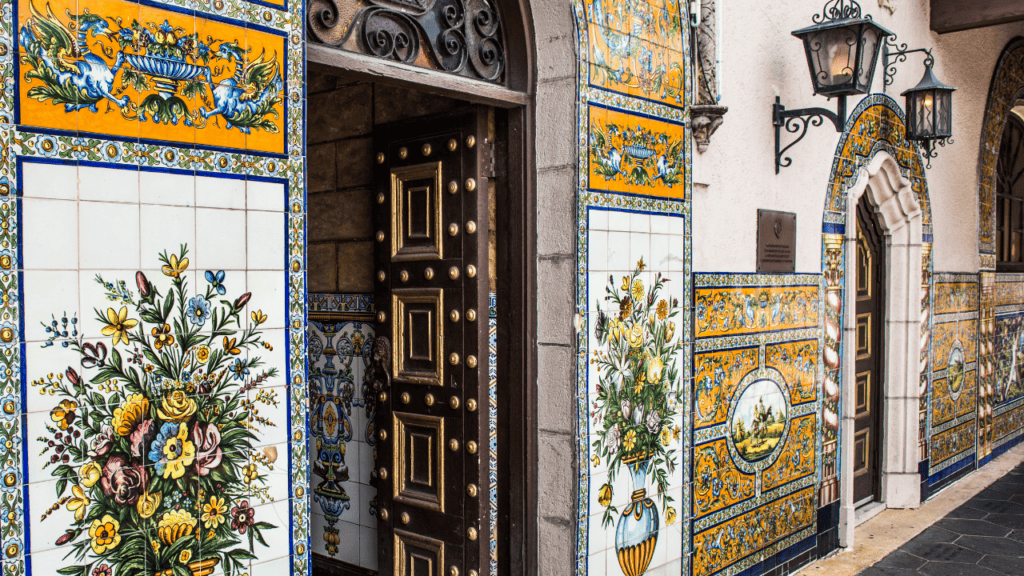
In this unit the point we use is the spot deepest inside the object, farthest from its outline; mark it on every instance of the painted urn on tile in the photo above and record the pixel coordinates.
(637, 532)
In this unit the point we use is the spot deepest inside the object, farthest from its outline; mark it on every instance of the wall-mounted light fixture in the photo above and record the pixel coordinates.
(842, 50)
(929, 105)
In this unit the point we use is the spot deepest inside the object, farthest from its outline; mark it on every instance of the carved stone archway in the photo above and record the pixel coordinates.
(900, 216)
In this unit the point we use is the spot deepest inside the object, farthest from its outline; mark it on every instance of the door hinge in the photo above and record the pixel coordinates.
(488, 161)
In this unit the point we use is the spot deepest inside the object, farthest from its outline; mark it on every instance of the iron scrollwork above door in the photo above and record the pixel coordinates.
(461, 37)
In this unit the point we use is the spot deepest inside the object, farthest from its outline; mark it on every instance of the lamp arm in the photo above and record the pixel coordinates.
(798, 121)
(899, 54)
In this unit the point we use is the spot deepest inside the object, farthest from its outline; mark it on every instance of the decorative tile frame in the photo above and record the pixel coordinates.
(1007, 85)
(751, 328)
(64, 141)
(877, 123)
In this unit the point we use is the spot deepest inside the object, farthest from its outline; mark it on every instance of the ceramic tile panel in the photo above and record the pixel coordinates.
(633, 297)
(954, 372)
(1007, 360)
(758, 374)
(341, 427)
(876, 124)
(155, 397)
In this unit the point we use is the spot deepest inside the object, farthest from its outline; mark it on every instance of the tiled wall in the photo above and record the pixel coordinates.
(343, 517)
(756, 444)
(633, 297)
(153, 268)
(952, 423)
(1007, 416)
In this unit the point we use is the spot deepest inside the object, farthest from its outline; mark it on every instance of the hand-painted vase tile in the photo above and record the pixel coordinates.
(636, 154)
(117, 68)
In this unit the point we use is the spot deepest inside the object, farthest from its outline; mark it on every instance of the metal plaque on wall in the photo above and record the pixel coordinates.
(776, 241)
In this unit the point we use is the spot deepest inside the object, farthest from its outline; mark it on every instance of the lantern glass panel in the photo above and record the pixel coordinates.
(869, 49)
(943, 113)
(833, 55)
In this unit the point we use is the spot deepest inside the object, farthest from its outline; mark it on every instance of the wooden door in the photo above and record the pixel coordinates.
(429, 365)
(870, 314)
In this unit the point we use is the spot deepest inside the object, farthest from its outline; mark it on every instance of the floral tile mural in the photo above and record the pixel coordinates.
(150, 73)
(636, 417)
(757, 381)
(954, 373)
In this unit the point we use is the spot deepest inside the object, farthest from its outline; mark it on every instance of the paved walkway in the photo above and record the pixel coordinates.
(892, 530)
(983, 537)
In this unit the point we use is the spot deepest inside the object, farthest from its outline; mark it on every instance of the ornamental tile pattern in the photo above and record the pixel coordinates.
(757, 380)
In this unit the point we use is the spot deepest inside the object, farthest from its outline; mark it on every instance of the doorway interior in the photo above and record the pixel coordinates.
(346, 112)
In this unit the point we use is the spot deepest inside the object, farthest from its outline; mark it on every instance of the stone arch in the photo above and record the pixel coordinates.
(1007, 86)
(900, 216)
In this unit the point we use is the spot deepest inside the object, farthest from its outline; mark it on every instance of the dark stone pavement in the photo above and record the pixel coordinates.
(983, 537)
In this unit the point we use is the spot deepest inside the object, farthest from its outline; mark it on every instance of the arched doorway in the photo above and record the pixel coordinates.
(898, 215)
(407, 440)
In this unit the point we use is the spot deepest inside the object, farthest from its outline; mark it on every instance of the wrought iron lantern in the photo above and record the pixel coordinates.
(929, 109)
(842, 49)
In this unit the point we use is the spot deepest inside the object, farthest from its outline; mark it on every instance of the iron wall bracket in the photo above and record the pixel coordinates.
(798, 121)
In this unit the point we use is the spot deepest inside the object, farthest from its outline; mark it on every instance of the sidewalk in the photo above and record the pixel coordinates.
(973, 528)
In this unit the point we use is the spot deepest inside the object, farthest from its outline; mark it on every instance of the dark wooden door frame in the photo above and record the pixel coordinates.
(516, 260)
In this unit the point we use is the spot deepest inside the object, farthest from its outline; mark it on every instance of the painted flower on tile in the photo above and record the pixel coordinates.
(164, 454)
(118, 324)
(198, 310)
(217, 281)
(638, 383)
(104, 534)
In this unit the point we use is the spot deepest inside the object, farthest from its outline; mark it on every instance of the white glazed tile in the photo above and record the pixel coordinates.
(167, 188)
(366, 461)
(639, 247)
(598, 219)
(268, 295)
(166, 228)
(348, 548)
(109, 236)
(108, 184)
(368, 548)
(618, 221)
(317, 523)
(50, 234)
(618, 252)
(40, 362)
(58, 181)
(266, 240)
(220, 239)
(640, 223)
(220, 192)
(597, 247)
(268, 196)
(49, 296)
(277, 513)
(661, 224)
(367, 520)
(597, 563)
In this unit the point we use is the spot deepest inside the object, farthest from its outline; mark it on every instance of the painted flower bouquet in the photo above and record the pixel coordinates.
(153, 444)
(639, 389)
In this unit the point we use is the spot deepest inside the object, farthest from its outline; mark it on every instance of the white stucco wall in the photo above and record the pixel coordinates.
(761, 59)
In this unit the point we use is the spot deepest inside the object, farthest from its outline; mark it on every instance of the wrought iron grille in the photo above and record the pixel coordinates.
(461, 37)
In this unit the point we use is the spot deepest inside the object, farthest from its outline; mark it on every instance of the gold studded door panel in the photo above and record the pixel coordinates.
(429, 363)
